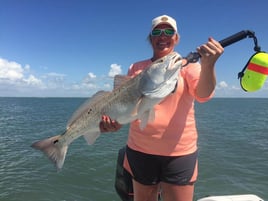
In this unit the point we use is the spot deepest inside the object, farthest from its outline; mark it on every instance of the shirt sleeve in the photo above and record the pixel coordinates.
(191, 74)
(138, 67)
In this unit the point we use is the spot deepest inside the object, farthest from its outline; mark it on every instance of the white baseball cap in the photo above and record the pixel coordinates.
(164, 19)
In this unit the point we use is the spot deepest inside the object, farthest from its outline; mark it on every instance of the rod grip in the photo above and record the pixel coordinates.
(236, 37)
(194, 56)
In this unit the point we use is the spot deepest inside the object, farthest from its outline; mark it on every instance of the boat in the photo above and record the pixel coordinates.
(245, 197)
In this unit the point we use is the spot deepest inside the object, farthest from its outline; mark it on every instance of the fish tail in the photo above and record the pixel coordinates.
(54, 150)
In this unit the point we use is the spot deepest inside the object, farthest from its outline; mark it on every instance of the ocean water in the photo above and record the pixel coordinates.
(233, 151)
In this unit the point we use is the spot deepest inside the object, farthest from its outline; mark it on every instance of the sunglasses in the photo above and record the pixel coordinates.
(167, 32)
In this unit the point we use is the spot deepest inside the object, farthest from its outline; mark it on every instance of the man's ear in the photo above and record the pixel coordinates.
(150, 38)
(177, 39)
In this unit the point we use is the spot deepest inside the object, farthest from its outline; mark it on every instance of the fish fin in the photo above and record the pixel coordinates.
(147, 116)
(91, 138)
(53, 150)
(99, 95)
(120, 79)
(86, 106)
(151, 115)
(136, 108)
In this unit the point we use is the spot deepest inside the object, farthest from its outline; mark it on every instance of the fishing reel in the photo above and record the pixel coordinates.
(254, 74)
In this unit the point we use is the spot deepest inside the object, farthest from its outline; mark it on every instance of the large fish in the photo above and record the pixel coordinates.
(132, 98)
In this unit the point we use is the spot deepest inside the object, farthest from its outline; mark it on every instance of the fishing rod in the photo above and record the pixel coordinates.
(255, 72)
(193, 57)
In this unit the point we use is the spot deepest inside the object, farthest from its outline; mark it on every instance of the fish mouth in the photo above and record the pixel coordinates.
(169, 60)
(161, 80)
(173, 61)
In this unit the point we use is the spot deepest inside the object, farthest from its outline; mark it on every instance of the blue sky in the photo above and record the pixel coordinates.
(73, 48)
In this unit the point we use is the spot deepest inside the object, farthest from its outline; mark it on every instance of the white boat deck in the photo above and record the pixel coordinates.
(247, 197)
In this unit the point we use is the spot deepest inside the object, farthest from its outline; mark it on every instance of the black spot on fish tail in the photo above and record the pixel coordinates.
(54, 150)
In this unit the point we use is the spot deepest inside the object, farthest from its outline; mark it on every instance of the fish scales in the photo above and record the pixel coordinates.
(131, 99)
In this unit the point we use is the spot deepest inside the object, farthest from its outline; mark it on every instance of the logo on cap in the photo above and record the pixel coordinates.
(164, 19)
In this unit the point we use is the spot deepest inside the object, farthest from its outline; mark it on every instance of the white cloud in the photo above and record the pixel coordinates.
(91, 75)
(59, 75)
(115, 70)
(107, 85)
(13, 73)
(222, 84)
(10, 70)
(17, 80)
(233, 87)
(89, 81)
(32, 80)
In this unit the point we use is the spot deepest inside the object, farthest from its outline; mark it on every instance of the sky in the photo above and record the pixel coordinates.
(73, 48)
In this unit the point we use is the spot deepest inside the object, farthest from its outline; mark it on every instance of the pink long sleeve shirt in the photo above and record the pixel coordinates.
(173, 132)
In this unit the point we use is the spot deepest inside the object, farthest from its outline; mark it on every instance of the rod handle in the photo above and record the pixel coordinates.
(193, 57)
(236, 37)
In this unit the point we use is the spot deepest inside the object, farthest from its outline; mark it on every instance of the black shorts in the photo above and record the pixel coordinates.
(151, 169)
